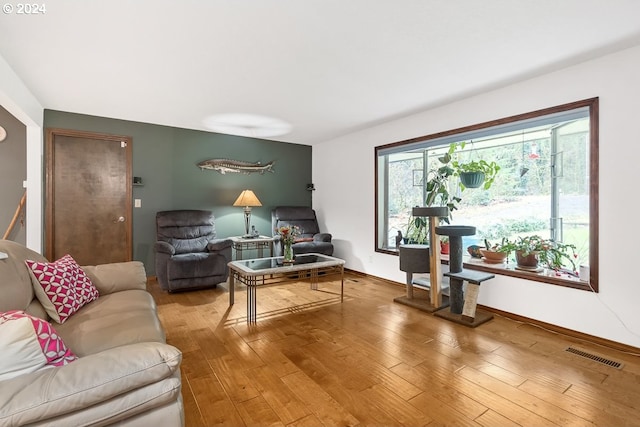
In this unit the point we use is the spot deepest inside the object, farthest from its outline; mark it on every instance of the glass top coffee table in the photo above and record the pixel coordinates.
(271, 271)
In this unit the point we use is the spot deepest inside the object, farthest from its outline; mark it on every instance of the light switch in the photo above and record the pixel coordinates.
(137, 203)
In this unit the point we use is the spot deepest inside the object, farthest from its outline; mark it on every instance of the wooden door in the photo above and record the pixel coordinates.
(88, 197)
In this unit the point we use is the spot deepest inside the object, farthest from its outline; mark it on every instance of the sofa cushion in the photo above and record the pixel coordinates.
(28, 344)
(324, 248)
(185, 246)
(95, 390)
(62, 287)
(117, 276)
(15, 284)
(186, 230)
(194, 265)
(113, 320)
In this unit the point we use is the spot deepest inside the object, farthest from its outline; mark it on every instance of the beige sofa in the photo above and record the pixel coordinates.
(125, 373)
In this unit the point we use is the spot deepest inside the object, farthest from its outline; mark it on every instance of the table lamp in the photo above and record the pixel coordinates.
(248, 200)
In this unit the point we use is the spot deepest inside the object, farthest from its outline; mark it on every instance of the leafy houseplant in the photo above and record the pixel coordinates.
(474, 174)
(417, 230)
(497, 252)
(546, 251)
(437, 187)
(503, 246)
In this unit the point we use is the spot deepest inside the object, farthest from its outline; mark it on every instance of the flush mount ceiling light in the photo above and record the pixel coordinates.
(251, 125)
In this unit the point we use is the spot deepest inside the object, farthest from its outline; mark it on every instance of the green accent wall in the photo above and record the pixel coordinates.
(166, 157)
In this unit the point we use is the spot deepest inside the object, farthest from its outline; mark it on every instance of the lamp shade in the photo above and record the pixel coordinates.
(247, 198)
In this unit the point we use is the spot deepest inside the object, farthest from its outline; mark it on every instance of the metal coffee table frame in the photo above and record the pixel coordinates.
(271, 271)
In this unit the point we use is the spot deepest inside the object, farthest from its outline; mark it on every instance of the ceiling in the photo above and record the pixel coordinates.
(326, 67)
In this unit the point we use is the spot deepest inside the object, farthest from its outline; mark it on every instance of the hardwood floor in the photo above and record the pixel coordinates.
(312, 361)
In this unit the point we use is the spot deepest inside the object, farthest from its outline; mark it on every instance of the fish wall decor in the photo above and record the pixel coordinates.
(236, 166)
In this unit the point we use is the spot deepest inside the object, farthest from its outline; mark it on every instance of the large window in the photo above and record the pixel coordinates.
(547, 183)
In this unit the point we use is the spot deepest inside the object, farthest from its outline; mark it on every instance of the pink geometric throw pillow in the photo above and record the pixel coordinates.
(85, 288)
(62, 287)
(29, 343)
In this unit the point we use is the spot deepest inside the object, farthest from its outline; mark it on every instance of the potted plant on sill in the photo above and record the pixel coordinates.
(532, 251)
(444, 245)
(496, 253)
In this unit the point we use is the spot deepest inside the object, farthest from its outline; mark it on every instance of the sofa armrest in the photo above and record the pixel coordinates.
(89, 381)
(164, 248)
(117, 276)
(217, 245)
(322, 237)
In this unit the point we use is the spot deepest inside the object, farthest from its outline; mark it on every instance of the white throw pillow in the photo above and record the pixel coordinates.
(21, 353)
(27, 344)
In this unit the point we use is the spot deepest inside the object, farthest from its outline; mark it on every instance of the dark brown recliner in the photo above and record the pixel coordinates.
(188, 254)
(310, 240)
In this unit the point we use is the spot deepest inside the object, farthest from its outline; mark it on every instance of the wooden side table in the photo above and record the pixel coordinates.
(259, 243)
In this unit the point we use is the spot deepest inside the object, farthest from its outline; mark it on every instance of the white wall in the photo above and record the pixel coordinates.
(343, 172)
(20, 102)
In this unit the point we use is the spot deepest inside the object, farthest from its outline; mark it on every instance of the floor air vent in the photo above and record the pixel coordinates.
(595, 358)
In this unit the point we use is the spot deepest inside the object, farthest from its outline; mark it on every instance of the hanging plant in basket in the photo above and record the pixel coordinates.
(481, 173)
(472, 179)
(476, 174)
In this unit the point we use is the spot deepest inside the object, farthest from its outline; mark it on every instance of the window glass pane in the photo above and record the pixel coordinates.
(542, 187)
(406, 178)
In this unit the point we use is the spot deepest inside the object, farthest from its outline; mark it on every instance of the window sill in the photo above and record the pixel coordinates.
(508, 269)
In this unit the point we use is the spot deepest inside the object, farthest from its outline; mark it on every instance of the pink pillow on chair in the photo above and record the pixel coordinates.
(303, 239)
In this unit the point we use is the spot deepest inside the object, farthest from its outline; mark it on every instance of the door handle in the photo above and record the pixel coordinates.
(120, 219)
